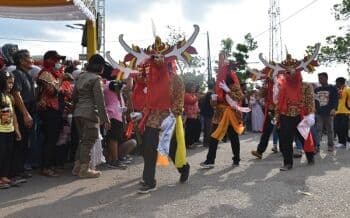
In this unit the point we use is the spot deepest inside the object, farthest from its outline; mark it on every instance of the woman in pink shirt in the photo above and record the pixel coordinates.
(118, 145)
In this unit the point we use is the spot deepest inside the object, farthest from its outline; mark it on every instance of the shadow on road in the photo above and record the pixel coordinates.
(256, 188)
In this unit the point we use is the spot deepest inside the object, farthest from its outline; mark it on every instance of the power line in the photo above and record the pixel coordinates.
(67, 41)
(289, 17)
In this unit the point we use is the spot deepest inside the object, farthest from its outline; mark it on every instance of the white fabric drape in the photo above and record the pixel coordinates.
(77, 11)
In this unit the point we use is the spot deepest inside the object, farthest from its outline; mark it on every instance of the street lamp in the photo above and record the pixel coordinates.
(77, 26)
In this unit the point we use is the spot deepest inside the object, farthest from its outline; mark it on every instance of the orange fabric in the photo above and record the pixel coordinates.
(162, 160)
(229, 118)
(309, 145)
(129, 130)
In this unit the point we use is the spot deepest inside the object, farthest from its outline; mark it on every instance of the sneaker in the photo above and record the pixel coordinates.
(49, 173)
(311, 161)
(126, 160)
(185, 173)
(193, 146)
(206, 165)
(274, 149)
(87, 172)
(339, 145)
(142, 182)
(145, 189)
(235, 164)
(317, 150)
(286, 167)
(25, 175)
(28, 167)
(116, 165)
(14, 183)
(20, 179)
(4, 185)
(297, 153)
(257, 154)
(330, 148)
(198, 143)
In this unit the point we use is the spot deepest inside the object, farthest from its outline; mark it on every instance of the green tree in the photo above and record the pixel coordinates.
(240, 53)
(337, 48)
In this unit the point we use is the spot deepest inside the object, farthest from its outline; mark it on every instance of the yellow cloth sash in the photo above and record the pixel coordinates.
(180, 156)
(228, 118)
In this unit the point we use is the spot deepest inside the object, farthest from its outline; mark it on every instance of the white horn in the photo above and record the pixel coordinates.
(304, 64)
(275, 68)
(178, 51)
(140, 56)
(127, 71)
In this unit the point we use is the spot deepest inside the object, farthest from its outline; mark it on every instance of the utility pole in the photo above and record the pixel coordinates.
(275, 37)
(209, 60)
(101, 14)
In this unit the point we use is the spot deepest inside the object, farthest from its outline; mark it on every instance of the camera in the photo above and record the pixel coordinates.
(116, 85)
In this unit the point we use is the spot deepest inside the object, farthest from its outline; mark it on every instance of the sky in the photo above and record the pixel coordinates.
(221, 18)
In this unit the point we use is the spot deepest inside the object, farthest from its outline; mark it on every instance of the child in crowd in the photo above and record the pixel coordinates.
(8, 127)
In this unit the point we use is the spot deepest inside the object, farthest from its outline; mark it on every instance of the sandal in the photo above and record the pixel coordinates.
(5, 180)
(49, 173)
(4, 185)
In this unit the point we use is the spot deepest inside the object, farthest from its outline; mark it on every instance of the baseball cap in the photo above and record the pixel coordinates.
(53, 54)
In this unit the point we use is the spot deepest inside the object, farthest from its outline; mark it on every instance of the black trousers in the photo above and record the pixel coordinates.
(197, 129)
(21, 148)
(6, 145)
(74, 138)
(267, 131)
(192, 131)
(52, 123)
(342, 127)
(206, 130)
(213, 145)
(150, 142)
(288, 131)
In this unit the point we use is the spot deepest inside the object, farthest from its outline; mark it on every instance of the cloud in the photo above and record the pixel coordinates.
(127, 10)
(40, 36)
(196, 10)
(133, 9)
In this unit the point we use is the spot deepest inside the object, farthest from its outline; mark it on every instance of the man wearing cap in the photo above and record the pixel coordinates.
(50, 108)
(89, 114)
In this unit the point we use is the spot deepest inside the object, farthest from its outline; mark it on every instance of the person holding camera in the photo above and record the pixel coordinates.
(117, 144)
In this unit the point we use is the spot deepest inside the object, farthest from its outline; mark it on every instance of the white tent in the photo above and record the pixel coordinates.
(54, 10)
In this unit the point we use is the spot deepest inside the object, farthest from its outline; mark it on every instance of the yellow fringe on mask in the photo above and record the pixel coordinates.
(228, 118)
(180, 155)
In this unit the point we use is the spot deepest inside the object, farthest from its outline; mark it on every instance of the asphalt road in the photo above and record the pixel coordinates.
(255, 189)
